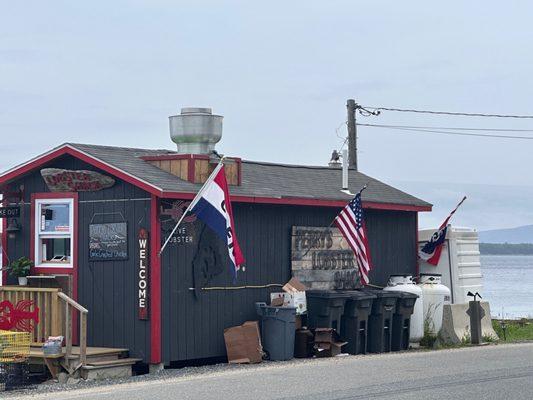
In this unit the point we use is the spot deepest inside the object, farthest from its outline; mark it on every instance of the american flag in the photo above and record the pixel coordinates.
(351, 223)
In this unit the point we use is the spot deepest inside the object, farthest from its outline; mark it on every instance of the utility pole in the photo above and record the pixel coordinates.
(352, 134)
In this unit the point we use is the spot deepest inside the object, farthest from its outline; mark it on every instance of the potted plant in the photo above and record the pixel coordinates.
(21, 269)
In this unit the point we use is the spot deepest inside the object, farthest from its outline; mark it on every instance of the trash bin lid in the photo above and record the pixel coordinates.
(359, 295)
(327, 294)
(381, 293)
(265, 311)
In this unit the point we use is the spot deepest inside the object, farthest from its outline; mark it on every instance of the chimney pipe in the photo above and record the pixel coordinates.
(344, 169)
(196, 130)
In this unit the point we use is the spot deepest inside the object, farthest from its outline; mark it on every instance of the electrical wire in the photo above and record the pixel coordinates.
(449, 128)
(417, 130)
(462, 114)
(269, 285)
(339, 127)
(345, 140)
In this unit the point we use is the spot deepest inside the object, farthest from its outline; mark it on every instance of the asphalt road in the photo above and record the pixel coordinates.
(489, 372)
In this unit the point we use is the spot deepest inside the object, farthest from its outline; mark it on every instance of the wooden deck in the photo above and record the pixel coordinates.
(52, 314)
(37, 352)
(97, 358)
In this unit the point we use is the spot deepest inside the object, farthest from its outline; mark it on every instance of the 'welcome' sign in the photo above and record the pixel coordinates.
(143, 274)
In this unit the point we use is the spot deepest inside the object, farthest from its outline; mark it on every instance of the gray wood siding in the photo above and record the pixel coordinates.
(193, 326)
(106, 288)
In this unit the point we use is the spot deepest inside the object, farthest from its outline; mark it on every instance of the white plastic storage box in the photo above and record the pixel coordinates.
(459, 264)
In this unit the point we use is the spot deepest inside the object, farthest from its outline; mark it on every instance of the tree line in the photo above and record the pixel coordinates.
(506, 248)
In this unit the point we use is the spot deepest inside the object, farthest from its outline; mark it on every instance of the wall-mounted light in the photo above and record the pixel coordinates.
(12, 228)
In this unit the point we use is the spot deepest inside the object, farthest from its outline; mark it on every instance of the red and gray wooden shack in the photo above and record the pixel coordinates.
(189, 304)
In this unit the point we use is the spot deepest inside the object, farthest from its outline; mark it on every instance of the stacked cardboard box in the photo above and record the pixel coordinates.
(327, 342)
(293, 295)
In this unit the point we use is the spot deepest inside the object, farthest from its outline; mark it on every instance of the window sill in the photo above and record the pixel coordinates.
(54, 265)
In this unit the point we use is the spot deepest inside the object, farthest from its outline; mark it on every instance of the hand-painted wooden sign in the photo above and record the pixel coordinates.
(9, 212)
(108, 242)
(64, 180)
(170, 212)
(143, 288)
(22, 317)
(322, 259)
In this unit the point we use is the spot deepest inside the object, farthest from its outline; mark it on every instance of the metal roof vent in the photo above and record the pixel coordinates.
(196, 130)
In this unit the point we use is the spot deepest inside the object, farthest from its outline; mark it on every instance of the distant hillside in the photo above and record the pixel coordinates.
(506, 248)
(521, 234)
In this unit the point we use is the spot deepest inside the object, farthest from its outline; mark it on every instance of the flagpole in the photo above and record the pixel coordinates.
(360, 191)
(193, 203)
(458, 205)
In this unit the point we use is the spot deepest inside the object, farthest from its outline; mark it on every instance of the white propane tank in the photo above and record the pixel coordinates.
(404, 283)
(435, 295)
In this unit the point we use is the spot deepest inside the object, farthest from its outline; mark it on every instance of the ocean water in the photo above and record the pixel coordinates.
(508, 285)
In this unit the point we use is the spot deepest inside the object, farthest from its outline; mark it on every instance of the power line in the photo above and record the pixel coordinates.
(449, 128)
(463, 114)
(417, 130)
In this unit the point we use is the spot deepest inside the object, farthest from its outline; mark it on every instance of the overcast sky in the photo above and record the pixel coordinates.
(111, 72)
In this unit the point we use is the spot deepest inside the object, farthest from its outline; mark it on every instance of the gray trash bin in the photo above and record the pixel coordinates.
(277, 331)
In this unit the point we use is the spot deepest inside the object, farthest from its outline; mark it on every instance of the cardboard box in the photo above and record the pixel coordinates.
(243, 343)
(325, 335)
(294, 299)
(277, 299)
(294, 285)
(327, 342)
(328, 349)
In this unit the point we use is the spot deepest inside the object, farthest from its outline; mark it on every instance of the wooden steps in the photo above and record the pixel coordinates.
(112, 363)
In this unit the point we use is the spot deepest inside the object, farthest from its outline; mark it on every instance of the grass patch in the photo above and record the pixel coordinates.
(515, 330)
(429, 338)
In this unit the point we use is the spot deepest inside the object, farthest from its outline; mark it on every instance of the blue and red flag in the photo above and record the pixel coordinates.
(432, 250)
(212, 205)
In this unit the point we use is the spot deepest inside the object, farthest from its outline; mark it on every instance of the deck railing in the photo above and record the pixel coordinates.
(50, 314)
(56, 312)
(71, 305)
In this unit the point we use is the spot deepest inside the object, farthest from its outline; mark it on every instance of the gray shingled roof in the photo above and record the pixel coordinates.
(258, 179)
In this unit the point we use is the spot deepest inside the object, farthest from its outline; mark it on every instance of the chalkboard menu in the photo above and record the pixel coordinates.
(108, 241)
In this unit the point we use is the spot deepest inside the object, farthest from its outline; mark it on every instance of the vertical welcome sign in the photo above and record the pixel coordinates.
(142, 286)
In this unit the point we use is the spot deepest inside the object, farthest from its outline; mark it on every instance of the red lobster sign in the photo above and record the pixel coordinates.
(22, 317)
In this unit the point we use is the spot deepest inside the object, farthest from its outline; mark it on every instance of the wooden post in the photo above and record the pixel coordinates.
(68, 331)
(83, 338)
(352, 134)
(56, 316)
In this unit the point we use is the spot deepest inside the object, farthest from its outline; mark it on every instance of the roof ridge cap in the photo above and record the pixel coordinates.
(273, 164)
(113, 147)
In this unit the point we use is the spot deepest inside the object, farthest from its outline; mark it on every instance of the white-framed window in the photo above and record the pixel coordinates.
(54, 232)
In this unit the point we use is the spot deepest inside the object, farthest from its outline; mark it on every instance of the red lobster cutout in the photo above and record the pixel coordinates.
(21, 317)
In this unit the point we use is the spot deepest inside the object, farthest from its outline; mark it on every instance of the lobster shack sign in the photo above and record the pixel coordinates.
(65, 180)
(322, 259)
